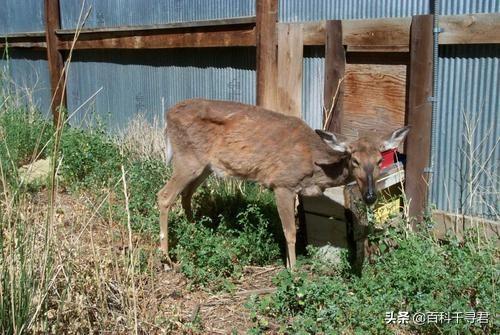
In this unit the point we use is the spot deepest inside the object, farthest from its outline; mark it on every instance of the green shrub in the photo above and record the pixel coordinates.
(90, 159)
(212, 257)
(144, 179)
(420, 275)
(23, 137)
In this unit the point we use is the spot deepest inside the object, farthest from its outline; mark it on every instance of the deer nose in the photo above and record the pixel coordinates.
(370, 198)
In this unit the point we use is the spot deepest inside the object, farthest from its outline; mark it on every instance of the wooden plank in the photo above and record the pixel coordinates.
(245, 20)
(419, 113)
(374, 99)
(467, 29)
(379, 34)
(180, 38)
(267, 56)
(54, 58)
(334, 73)
(392, 34)
(290, 59)
(458, 224)
(314, 32)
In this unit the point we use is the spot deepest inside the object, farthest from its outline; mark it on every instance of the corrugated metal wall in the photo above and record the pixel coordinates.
(466, 178)
(137, 81)
(112, 13)
(21, 16)
(27, 74)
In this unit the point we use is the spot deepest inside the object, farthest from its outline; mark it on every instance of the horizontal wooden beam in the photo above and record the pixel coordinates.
(470, 29)
(392, 34)
(220, 36)
(372, 35)
(246, 20)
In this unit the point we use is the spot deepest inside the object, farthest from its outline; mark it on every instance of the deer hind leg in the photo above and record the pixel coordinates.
(188, 192)
(181, 178)
(285, 201)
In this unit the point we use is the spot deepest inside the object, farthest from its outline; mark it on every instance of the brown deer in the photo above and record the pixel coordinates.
(280, 152)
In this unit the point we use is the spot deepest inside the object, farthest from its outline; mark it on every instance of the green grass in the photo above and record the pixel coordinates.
(419, 275)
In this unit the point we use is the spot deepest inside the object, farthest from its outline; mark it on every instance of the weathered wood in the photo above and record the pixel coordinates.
(377, 34)
(374, 99)
(392, 34)
(419, 113)
(334, 73)
(54, 58)
(220, 36)
(467, 29)
(246, 20)
(459, 224)
(267, 57)
(290, 59)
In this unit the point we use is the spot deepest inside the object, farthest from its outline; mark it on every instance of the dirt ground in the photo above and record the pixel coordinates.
(105, 293)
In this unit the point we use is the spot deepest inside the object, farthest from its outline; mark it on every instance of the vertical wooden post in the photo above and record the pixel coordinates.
(334, 72)
(266, 39)
(290, 66)
(54, 58)
(419, 113)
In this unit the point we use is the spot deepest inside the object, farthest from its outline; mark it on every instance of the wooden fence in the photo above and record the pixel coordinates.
(397, 52)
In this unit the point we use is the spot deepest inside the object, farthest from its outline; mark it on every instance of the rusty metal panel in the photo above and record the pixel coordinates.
(112, 13)
(21, 16)
(146, 82)
(25, 73)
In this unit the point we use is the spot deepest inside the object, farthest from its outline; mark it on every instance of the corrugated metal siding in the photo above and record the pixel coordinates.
(455, 7)
(313, 86)
(136, 81)
(112, 13)
(21, 16)
(28, 74)
(469, 78)
(299, 10)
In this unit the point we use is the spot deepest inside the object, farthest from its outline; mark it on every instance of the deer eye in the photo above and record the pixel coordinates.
(355, 162)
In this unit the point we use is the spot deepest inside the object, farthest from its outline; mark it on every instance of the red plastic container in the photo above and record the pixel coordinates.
(388, 158)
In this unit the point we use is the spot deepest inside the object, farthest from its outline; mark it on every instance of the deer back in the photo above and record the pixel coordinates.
(247, 142)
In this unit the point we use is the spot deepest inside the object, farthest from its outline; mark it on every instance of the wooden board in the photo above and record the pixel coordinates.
(374, 100)
(176, 38)
(290, 59)
(54, 58)
(392, 34)
(466, 29)
(334, 72)
(267, 57)
(419, 114)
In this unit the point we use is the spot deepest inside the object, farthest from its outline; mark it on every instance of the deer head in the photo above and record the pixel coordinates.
(364, 158)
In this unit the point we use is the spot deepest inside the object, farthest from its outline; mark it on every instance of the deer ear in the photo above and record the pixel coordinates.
(394, 139)
(332, 141)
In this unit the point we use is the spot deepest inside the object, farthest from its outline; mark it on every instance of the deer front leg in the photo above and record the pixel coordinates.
(285, 201)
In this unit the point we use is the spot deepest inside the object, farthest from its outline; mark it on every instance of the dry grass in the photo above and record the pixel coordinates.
(143, 138)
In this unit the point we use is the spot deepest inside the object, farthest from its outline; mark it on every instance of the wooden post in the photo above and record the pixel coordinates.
(290, 66)
(266, 38)
(54, 58)
(419, 113)
(334, 72)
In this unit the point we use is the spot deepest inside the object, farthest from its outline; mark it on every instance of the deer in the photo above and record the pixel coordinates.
(278, 151)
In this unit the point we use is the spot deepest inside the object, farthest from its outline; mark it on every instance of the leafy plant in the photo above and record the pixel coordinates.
(419, 275)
